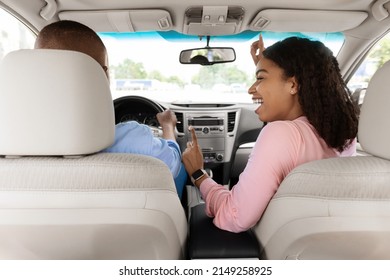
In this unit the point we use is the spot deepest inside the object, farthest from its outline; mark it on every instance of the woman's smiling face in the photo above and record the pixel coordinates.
(276, 94)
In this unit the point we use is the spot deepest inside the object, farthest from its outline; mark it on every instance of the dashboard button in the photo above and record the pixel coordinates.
(219, 157)
(206, 130)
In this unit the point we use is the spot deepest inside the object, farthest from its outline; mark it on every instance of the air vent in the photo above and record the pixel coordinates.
(180, 122)
(231, 121)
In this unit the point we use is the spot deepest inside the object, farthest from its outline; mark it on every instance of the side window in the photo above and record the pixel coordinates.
(13, 34)
(377, 56)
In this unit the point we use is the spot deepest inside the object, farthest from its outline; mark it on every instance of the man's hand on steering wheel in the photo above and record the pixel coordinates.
(167, 120)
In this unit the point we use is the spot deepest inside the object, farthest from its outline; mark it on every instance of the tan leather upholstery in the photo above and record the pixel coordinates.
(338, 208)
(97, 206)
(54, 102)
(374, 132)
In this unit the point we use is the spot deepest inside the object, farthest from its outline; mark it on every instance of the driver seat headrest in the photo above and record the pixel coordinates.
(54, 102)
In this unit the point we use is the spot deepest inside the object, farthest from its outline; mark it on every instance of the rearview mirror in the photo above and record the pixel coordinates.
(207, 56)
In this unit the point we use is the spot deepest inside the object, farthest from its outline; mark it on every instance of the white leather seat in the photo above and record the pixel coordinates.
(338, 208)
(59, 197)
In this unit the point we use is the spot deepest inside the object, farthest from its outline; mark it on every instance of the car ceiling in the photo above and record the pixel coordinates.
(30, 9)
(363, 22)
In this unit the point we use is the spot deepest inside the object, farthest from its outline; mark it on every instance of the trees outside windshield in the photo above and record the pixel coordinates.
(147, 64)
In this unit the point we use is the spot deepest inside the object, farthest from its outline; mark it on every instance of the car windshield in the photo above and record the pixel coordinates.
(147, 64)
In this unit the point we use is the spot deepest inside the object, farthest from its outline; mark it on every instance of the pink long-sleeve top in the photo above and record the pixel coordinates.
(280, 146)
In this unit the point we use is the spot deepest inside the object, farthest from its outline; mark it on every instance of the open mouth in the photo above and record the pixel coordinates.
(257, 101)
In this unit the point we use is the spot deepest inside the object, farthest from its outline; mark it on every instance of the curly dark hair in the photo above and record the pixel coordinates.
(322, 92)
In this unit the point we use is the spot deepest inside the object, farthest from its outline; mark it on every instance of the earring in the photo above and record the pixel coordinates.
(292, 91)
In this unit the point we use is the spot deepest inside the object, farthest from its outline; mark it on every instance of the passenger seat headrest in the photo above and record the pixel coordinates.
(374, 121)
(54, 102)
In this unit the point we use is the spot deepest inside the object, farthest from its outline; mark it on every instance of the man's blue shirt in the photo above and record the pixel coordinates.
(134, 138)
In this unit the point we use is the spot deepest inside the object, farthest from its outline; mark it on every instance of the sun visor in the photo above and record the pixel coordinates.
(121, 20)
(306, 21)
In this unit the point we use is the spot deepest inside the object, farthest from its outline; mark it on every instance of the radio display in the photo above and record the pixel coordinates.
(203, 122)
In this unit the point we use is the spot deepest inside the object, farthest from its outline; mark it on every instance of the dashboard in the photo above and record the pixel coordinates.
(225, 132)
(214, 129)
(141, 117)
(136, 108)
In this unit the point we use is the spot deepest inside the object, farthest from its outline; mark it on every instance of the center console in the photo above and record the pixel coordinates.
(211, 134)
(215, 132)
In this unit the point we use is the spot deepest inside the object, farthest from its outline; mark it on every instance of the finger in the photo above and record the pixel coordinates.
(184, 154)
(253, 50)
(261, 43)
(255, 44)
(193, 135)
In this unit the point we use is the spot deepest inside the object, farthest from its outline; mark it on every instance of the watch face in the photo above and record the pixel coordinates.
(197, 174)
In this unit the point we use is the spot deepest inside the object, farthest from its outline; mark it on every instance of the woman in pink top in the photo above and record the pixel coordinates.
(306, 104)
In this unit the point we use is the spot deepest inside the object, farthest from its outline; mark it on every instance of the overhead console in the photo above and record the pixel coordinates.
(213, 20)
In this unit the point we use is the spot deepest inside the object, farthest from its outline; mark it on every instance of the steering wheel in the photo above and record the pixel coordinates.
(134, 106)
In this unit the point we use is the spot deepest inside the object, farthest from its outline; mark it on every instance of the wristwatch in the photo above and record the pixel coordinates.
(197, 175)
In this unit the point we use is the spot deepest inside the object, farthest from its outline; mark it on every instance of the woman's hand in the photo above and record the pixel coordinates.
(257, 49)
(192, 157)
